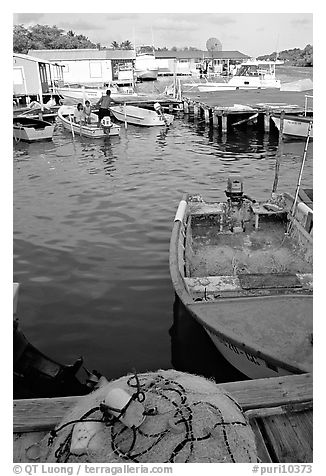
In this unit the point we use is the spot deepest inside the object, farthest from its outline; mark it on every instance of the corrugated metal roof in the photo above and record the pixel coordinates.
(95, 54)
(32, 58)
(83, 54)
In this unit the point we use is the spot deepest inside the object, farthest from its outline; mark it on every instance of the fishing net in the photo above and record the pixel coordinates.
(184, 418)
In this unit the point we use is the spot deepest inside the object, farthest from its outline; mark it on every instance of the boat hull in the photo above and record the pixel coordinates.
(233, 86)
(141, 117)
(32, 130)
(294, 126)
(91, 131)
(244, 361)
(76, 95)
(147, 74)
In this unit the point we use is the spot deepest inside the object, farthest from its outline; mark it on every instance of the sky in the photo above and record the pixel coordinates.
(253, 34)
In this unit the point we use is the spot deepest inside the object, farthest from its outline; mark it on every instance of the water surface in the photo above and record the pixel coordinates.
(92, 224)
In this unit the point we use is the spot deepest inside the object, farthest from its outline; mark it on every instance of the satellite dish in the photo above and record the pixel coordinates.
(213, 44)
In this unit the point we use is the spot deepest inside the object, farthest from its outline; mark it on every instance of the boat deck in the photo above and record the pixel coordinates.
(279, 411)
(254, 251)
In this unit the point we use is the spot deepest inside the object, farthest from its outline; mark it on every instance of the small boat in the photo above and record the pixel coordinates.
(141, 116)
(93, 130)
(251, 75)
(243, 269)
(146, 67)
(77, 93)
(31, 130)
(36, 376)
(294, 126)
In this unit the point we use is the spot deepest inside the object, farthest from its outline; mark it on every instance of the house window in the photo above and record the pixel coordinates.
(95, 69)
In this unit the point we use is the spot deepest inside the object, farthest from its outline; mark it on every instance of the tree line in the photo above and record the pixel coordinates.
(45, 37)
(294, 56)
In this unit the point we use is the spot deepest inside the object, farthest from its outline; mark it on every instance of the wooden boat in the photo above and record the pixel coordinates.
(141, 116)
(107, 128)
(243, 269)
(294, 126)
(37, 375)
(31, 130)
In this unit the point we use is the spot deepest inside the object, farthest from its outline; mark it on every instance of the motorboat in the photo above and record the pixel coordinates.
(73, 94)
(253, 74)
(94, 129)
(243, 269)
(140, 116)
(146, 67)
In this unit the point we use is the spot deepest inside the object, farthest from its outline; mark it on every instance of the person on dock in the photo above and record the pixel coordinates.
(104, 106)
(79, 114)
(87, 112)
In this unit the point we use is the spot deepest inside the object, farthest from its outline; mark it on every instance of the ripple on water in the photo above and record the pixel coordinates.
(92, 223)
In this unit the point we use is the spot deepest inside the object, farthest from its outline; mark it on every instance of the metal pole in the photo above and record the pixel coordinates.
(301, 170)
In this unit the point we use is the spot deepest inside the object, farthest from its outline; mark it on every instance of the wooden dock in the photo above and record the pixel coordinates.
(217, 110)
(279, 410)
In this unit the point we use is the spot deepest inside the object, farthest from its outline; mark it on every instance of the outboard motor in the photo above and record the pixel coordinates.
(234, 192)
(234, 189)
(106, 124)
(159, 111)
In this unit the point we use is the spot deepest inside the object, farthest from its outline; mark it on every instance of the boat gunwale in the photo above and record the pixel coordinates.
(184, 295)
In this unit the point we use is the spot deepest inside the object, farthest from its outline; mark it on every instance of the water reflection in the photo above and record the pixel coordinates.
(193, 351)
(161, 137)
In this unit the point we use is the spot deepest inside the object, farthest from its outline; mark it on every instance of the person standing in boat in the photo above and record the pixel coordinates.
(104, 106)
(87, 112)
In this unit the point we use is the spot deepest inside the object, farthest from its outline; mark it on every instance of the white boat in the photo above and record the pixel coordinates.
(243, 270)
(140, 116)
(76, 94)
(107, 128)
(146, 67)
(294, 126)
(250, 75)
(28, 129)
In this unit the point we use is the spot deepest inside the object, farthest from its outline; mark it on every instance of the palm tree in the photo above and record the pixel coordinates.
(126, 45)
(115, 45)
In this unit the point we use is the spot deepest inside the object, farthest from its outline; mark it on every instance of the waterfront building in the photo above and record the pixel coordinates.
(90, 66)
(190, 62)
(97, 67)
(33, 76)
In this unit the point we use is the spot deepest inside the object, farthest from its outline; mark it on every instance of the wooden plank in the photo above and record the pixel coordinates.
(281, 410)
(262, 449)
(38, 414)
(45, 413)
(289, 437)
(271, 392)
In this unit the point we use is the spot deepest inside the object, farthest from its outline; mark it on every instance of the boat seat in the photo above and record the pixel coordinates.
(209, 285)
(259, 209)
